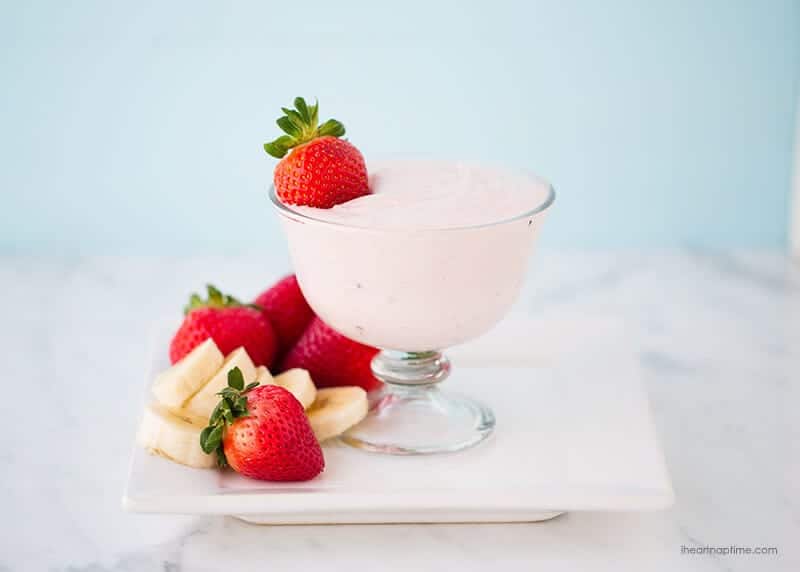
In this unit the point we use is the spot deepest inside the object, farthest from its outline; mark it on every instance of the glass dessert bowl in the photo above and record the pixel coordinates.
(413, 289)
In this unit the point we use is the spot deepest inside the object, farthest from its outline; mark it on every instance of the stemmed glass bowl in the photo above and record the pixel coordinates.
(413, 293)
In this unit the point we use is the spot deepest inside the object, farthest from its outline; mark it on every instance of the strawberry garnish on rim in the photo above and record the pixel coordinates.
(321, 170)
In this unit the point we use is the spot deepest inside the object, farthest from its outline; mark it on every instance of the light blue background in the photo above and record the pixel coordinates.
(137, 127)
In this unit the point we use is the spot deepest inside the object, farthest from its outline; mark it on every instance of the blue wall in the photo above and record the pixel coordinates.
(137, 127)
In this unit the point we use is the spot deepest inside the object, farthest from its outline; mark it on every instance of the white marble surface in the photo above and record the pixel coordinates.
(718, 335)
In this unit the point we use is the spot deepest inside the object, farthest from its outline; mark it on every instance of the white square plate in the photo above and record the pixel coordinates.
(573, 433)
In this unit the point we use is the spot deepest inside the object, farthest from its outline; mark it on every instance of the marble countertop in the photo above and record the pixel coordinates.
(717, 334)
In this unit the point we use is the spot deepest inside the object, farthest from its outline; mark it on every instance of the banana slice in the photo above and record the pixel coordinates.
(298, 383)
(336, 409)
(180, 382)
(263, 376)
(167, 435)
(205, 400)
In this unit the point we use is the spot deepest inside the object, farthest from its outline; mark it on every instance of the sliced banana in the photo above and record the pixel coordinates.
(336, 409)
(205, 400)
(298, 383)
(176, 385)
(167, 435)
(263, 376)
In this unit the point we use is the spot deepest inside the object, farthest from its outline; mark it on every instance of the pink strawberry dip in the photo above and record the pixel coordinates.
(436, 194)
(433, 257)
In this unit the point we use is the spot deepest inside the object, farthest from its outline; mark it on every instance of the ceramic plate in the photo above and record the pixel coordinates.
(574, 433)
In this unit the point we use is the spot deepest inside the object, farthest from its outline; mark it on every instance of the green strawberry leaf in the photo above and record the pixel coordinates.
(222, 460)
(300, 105)
(217, 414)
(280, 146)
(214, 295)
(236, 379)
(288, 126)
(314, 110)
(295, 119)
(331, 127)
(228, 416)
(275, 150)
(205, 442)
(195, 301)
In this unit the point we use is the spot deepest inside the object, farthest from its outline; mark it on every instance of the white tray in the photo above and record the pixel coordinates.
(573, 433)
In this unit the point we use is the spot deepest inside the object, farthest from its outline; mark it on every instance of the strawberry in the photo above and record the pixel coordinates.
(321, 170)
(262, 433)
(332, 359)
(287, 310)
(229, 323)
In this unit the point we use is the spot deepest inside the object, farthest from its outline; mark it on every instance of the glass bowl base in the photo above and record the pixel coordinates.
(420, 420)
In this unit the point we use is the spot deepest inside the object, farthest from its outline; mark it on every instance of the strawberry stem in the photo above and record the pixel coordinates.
(216, 299)
(301, 125)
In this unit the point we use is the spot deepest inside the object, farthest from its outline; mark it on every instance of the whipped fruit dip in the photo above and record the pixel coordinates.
(432, 257)
(436, 194)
